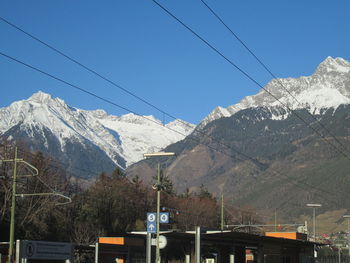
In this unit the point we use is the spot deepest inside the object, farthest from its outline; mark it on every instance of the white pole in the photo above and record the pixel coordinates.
(148, 247)
(96, 253)
(198, 244)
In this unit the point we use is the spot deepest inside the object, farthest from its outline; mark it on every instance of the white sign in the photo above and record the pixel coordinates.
(164, 218)
(162, 242)
(151, 227)
(45, 250)
(151, 217)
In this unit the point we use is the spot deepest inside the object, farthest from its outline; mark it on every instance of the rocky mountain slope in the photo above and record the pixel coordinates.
(262, 153)
(90, 139)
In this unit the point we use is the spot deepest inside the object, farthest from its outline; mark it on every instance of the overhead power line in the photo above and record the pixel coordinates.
(102, 77)
(94, 72)
(89, 69)
(250, 78)
(254, 160)
(270, 72)
(122, 88)
(143, 100)
(105, 100)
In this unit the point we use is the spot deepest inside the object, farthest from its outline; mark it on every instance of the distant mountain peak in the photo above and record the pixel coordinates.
(122, 138)
(43, 100)
(330, 64)
(40, 97)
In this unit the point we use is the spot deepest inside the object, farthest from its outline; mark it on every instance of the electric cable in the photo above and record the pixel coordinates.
(94, 72)
(113, 83)
(99, 97)
(132, 94)
(89, 69)
(249, 77)
(269, 71)
(255, 161)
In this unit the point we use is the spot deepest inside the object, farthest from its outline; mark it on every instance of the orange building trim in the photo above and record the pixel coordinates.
(287, 235)
(112, 240)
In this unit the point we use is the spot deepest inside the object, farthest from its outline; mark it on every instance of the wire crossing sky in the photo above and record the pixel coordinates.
(136, 45)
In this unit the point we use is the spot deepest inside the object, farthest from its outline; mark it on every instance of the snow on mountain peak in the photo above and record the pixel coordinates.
(127, 136)
(40, 97)
(133, 118)
(338, 65)
(99, 113)
(328, 87)
(217, 113)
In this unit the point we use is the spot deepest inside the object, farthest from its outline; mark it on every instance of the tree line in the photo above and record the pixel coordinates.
(110, 205)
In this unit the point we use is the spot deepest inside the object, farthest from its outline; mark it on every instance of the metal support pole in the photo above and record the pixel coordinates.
(18, 250)
(13, 204)
(158, 214)
(349, 236)
(314, 223)
(159, 154)
(148, 247)
(198, 244)
(96, 253)
(314, 206)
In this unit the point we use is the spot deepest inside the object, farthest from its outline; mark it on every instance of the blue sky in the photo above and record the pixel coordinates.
(137, 45)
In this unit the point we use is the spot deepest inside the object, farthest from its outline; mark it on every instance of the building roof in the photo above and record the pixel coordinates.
(233, 237)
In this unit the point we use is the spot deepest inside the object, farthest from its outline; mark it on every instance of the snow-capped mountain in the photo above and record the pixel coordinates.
(124, 138)
(328, 87)
(259, 153)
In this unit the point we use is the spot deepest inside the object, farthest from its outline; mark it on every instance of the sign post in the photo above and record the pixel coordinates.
(152, 221)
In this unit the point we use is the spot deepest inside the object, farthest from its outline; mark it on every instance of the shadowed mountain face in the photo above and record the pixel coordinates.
(271, 164)
(263, 152)
(273, 154)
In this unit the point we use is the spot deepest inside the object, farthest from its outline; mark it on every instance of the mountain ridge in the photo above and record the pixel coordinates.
(120, 137)
(262, 154)
(330, 80)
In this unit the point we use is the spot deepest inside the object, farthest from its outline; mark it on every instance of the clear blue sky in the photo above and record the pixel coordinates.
(137, 45)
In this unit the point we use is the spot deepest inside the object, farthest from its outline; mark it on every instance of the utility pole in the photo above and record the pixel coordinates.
(158, 188)
(13, 204)
(158, 214)
(314, 206)
(15, 161)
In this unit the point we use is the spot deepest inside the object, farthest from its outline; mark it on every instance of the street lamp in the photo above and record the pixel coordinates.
(158, 188)
(314, 206)
(348, 217)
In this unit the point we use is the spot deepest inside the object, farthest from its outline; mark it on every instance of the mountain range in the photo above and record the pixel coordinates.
(284, 147)
(278, 149)
(90, 139)
(328, 87)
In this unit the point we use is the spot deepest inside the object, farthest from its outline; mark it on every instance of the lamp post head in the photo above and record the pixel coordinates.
(313, 205)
